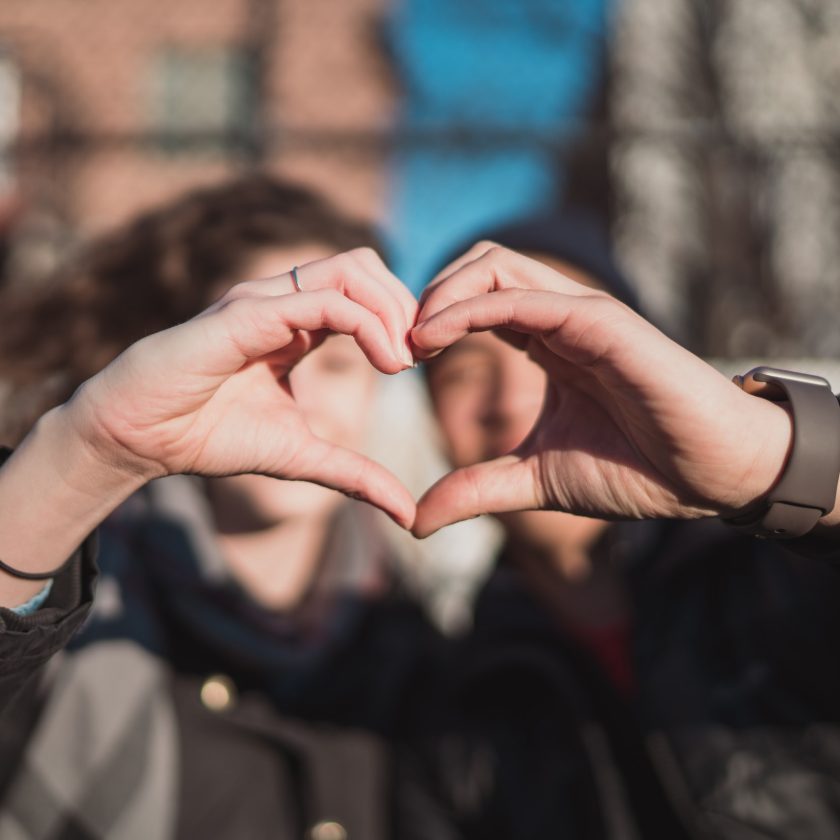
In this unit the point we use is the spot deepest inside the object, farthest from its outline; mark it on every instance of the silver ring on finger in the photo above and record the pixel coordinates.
(296, 280)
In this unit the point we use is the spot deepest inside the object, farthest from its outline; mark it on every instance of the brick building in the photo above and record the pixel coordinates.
(107, 108)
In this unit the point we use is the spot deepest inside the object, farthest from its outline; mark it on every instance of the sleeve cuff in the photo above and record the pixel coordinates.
(35, 602)
(35, 631)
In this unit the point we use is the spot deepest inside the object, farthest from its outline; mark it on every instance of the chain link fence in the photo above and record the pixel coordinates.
(712, 151)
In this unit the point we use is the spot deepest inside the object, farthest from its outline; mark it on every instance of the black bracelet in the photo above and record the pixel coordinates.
(35, 575)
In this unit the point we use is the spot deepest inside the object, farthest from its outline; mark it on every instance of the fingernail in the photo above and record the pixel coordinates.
(406, 357)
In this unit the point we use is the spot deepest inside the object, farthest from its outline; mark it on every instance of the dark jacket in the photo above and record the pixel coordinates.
(732, 733)
(148, 725)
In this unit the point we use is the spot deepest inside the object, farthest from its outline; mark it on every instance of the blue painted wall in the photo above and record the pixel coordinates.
(528, 66)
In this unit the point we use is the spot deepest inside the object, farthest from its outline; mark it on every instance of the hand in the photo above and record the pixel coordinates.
(632, 426)
(212, 396)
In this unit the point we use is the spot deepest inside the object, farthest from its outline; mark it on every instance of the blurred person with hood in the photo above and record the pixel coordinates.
(621, 679)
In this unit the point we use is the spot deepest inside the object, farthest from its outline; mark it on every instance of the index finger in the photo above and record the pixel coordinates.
(359, 275)
(575, 326)
(495, 270)
(356, 476)
(476, 251)
(377, 268)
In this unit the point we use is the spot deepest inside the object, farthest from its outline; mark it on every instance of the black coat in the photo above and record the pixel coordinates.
(733, 732)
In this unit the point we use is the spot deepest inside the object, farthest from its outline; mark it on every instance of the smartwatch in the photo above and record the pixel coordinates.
(807, 487)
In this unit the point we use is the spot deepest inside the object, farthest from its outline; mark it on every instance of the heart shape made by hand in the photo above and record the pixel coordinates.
(632, 424)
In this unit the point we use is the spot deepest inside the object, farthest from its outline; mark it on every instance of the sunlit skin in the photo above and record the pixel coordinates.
(333, 386)
(261, 519)
(633, 426)
(487, 396)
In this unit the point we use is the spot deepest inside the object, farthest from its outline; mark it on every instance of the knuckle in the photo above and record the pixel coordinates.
(244, 318)
(330, 297)
(473, 489)
(248, 314)
(606, 303)
(236, 305)
(364, 252)
(236, 292)
(329, 300)
(347, 261)
(347, 268)
(496, 252)
(500, 261)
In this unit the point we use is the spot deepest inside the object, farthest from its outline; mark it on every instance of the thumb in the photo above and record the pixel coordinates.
(356, 476)
(504, 484)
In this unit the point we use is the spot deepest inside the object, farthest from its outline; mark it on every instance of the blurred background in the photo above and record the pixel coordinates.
(702, 136)
(698, 141)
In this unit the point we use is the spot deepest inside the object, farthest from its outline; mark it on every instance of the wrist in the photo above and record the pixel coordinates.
(86, 459)
(768, 437)
(54, 490)
(80, 421)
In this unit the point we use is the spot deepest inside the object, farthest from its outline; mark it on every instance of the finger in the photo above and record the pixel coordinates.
(437, 294)
(363, 277)
(319, 278)
(499, 486)
(495, 270)
(252, 327)
(277, 284)
(476, 251)
(577, 327)
(356, 476)
(379, 271)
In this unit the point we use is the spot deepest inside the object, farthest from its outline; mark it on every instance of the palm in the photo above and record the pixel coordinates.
(193, 416)
(604, 451)
(583, 460)
(593, 450)
(251, 423)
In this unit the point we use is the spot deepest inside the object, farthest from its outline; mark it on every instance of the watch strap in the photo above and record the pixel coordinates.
(807, 488)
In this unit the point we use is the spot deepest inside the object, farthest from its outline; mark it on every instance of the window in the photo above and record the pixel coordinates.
(203, 99)
(10, 84)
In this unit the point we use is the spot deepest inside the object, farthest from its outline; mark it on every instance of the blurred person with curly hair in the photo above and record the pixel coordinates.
(252, 644)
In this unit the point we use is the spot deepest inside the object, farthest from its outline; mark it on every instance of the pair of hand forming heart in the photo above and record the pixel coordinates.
(632, 426)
